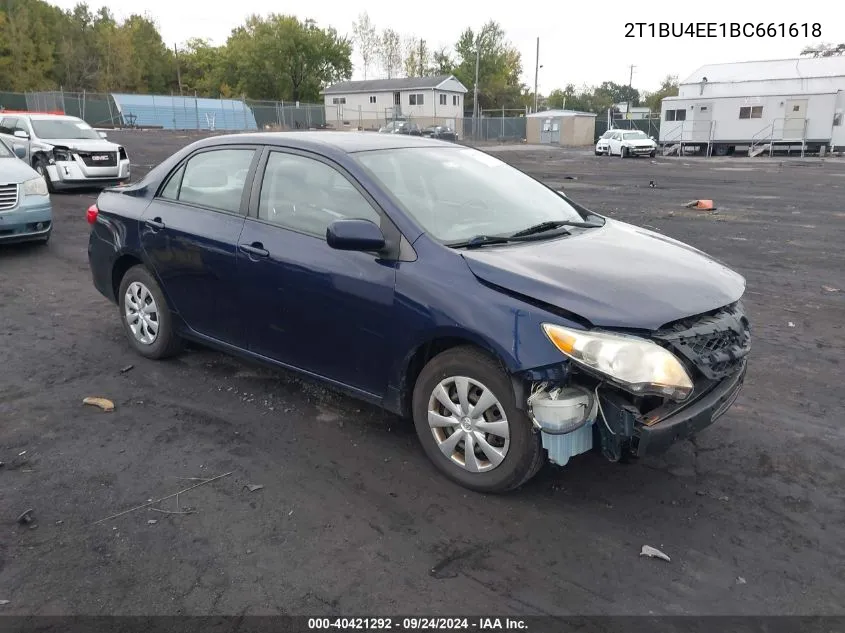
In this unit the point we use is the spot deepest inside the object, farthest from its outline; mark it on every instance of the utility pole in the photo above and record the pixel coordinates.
(475, 89)
(536, 73)
(178, 72)
(630, 84)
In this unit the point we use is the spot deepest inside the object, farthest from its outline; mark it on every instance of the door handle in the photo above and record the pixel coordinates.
(256, 249)
(155, 223)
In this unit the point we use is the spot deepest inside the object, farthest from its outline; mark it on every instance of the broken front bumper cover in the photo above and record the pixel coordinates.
(73, 173)
(654, 437)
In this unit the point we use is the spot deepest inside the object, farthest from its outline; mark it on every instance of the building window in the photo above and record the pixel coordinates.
(676, 115)
(455, 100)
(372, 98)
(751, 112)
(442, 99)
(416, 99)
(339, 101)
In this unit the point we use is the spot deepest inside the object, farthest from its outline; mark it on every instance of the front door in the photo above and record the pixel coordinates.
(702, 118)
(309, 306)
(794, 119)
(546, 131)
(189, 234)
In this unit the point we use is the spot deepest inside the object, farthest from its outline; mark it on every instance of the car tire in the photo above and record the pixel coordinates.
(522, 451)
(142, 285)
(40, 166)
(653, 154)
(623, 152)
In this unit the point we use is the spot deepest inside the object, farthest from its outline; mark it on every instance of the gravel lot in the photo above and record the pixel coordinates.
(352, 519)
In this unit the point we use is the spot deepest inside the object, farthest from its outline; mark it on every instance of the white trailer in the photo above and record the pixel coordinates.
(795, 104)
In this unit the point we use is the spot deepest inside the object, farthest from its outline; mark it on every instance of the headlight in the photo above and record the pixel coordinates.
(61, 155)
(640, 366)
(35, 187)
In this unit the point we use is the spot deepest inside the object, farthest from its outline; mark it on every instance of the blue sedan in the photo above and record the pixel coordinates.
(26, 214)
(511, 324)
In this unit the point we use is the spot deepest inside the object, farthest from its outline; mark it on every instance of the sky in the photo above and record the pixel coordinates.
(580, 43)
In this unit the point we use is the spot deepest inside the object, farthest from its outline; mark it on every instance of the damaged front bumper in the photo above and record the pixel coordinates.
(76, 173)
(607, 418)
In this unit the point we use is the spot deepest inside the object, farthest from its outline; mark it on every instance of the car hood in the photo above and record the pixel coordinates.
(83, 144)
(15, 171)
(643, 142)
(617, 276)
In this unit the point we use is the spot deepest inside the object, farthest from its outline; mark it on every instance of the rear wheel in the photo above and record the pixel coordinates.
(146, 318)
(468, 423)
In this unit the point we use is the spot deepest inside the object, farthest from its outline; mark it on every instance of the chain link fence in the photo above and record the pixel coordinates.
(120, 110)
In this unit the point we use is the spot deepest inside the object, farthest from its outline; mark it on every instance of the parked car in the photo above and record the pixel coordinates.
(26, 214)
(65, 150)
(401, 127)
(627, 143)
(603, 144)
(506, 320)
(442, 132)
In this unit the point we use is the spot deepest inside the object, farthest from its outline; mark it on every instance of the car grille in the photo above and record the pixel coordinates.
(98, 159)
(8, 197)
(715, 344)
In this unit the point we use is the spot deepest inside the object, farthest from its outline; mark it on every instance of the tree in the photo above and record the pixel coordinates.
(417, 62)
(442, 63)
(668, 88)
(499, 67)
(367, 40)
(202, 67)
(824, 50)
(390, 52)
(27, 45)
(155, 61)
(279, 57)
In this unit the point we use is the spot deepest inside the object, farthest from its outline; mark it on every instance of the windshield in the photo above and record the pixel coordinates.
(634, 136)
(607, 134)
(458, 193)
(5, 152)
(63, 128)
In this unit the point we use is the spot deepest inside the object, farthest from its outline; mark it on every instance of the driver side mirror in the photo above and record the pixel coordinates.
(21, 134)
(355, 235)
(20, 151)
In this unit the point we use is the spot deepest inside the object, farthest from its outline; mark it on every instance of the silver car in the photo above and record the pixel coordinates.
(65, 150)
(26, 214)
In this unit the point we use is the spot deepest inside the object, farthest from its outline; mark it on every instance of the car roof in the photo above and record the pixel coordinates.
(45, 117)
(346, 142)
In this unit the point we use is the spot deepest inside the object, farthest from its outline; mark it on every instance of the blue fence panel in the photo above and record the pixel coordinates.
(185, 113)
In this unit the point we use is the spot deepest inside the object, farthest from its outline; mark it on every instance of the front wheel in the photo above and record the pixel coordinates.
(146, 318)
(41, 167)
(466, 418)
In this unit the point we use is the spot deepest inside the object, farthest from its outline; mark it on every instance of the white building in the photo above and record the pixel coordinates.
(371, 103)
(636, 112)
(764, 105)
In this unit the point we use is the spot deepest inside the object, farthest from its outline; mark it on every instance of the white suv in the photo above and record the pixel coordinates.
(65, 150)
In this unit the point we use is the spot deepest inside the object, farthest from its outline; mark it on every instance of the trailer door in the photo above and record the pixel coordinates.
(702, 115)
(796, 115)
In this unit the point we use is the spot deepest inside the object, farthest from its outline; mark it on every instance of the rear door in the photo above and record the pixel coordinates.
(326, 311)
(189, 234)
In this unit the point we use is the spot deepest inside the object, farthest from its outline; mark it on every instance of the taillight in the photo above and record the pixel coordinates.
(91, 215)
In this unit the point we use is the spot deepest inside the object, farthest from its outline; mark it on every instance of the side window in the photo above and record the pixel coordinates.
(7, 125)
(171, 189)
(215, 179)
(306, 195)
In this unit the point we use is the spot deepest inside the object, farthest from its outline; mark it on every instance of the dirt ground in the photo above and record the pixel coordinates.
(352, 519)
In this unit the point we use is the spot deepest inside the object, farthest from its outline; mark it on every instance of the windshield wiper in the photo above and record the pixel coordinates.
(480, 240)
(542, 227)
